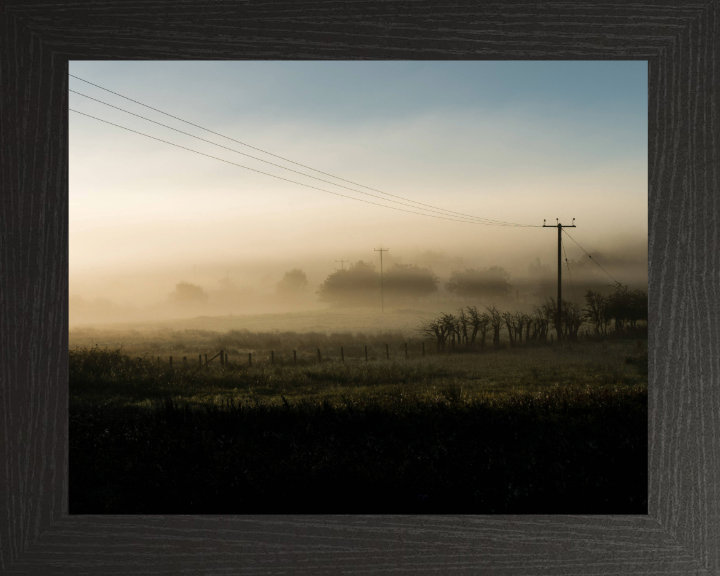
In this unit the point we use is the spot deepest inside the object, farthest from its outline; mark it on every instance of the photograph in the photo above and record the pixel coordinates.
(358, 287)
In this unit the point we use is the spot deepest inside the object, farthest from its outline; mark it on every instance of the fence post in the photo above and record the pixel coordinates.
(249, 358)
(222, 357)
(342, 354)
(365, 353)
(294, 356)
(170, 361)
(319, 358)
(200, 360)
(272, 357)
(423, 347)
(406, 354)
(205, 359)
(387, 351)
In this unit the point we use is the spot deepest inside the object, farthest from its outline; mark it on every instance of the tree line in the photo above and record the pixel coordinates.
(361, 283)
(473, 327)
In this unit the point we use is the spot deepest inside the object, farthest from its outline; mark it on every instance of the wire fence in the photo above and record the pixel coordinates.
(362, 353)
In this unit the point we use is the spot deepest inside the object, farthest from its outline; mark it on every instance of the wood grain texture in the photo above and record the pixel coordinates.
(680, 535)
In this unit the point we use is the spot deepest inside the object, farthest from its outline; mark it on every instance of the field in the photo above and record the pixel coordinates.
(329, 320)
(529, 429)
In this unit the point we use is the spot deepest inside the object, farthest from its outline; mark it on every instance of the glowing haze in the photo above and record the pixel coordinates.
(512, 141)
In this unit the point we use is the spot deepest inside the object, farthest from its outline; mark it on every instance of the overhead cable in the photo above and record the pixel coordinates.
(282, 157)
(568, 269)
(278, 165)
(281, 178)
(591, 258)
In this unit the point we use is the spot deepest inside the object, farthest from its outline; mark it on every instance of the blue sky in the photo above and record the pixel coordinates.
(594, 94)
(516, 141)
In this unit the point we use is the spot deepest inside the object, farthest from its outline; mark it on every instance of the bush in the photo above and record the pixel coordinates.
(188, 293)
(293, 282)
(358, 285)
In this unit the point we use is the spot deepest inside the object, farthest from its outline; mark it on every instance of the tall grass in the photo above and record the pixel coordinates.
(111, 375)
(537, 430)
(578, 450)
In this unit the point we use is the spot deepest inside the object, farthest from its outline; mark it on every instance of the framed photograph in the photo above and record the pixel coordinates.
(280, 293)
(277, 356)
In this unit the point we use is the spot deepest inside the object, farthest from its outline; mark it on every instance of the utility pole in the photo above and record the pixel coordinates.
(342, 263)
(558, 320)
(382, 296)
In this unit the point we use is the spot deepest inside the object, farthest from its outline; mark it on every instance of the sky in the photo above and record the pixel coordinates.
(512, 141)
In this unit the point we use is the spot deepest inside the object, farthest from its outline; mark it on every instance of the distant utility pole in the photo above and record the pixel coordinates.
(342, 263)
(382, 296)
(559, 300)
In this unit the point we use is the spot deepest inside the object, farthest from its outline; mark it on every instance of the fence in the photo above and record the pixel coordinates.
(225, 362)
(400, 351)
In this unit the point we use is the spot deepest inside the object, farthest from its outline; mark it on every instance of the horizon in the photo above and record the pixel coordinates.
(515, 141)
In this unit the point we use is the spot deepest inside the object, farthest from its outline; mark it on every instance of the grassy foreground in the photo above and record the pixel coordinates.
(529, 430)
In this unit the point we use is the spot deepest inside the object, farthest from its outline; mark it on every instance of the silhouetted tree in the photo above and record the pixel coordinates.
(293, 282)
(463, 320)
(496, 323)
(357, 285)
(479, 322)
(595, 309)
(188, 293)
(452, 327)
(486, 282)
(409, 281)
(638, 307)
(542, 319)
(521, 320)
(509, 319)
(573, 318)
(626, 307)
(436, 329)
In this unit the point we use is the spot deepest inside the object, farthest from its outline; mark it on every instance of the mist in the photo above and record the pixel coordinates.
(514, 142)
(239, 287)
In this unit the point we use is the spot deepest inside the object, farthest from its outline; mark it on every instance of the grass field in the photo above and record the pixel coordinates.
(528, 429)
(395, 319)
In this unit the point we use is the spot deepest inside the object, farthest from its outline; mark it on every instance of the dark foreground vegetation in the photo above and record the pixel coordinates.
(569, 435)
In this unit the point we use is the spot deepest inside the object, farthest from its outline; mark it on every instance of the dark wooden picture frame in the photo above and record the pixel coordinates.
(680, 534)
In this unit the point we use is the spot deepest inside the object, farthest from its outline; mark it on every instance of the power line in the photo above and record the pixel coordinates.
(280, 177)
(569, 275)
(591, 258)
(382, 294)
(277, 156)
(559, 227)
(272, 163)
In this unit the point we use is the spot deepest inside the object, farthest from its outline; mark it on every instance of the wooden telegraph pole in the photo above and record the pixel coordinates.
(558, 320)
(382, 296)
